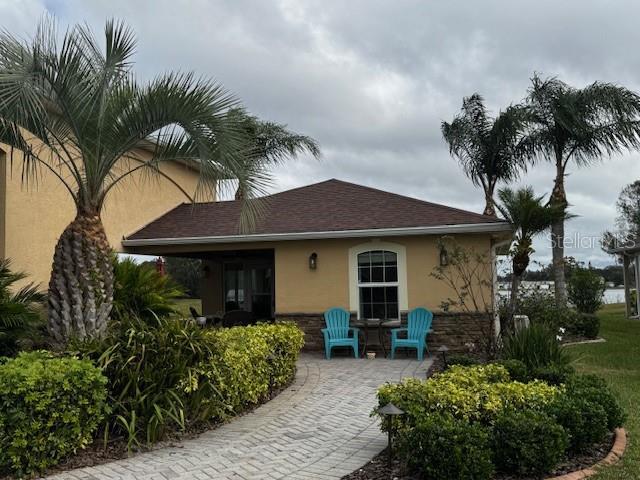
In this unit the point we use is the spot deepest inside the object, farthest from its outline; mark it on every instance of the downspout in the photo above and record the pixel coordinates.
(496, 314)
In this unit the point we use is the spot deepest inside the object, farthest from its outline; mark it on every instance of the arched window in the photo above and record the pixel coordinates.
(378, 284)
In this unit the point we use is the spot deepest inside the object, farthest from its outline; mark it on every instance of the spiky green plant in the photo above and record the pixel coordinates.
(20, 309)
(141, 291)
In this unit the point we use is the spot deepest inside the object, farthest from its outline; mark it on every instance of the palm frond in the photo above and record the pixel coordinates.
(79, 98)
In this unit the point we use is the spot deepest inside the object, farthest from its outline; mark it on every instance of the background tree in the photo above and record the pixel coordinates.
(487, 148)
(628, 219)
(186, 272)
(580, 126)
(529, 216)
(80, 100)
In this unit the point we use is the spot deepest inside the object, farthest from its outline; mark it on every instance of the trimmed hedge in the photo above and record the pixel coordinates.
(585, 422)
(249, 362)
(51, 407)
(527, 442)
(594, 389)
(475, 393)
(443, 447)
(531, 425)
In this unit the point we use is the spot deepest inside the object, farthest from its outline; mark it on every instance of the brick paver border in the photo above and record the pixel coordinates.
(619, 446)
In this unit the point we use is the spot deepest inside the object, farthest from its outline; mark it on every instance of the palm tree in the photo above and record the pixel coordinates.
(529, 216)
(487, 148)
(19, 308)
(271, 143)
(73, 108)
(579, 126)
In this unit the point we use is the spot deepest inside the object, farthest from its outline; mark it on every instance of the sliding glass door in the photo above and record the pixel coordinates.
(248, 285)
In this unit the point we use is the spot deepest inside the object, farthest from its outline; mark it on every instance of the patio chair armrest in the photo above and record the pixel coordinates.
(395, 331)
(355, 330)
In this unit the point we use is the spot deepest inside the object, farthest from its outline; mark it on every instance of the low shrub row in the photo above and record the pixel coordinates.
(166, 374)
(144, 379)
(487, 421)
(51, 407)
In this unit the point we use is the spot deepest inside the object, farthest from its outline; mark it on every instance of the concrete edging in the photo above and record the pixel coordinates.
(615, 454)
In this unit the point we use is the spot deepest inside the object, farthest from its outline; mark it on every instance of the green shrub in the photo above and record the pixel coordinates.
(594, 389)
(584, 421)
(145, 360)
(552, 374)
(585, 290)
(141, 291)
(441, 447)
(476, 393)
(540, 307)
(51, 406)
(517, 369)
(165, 373)
(586, 324)
(535, 346)
(527, 442)
(248, 363)
(461, 359)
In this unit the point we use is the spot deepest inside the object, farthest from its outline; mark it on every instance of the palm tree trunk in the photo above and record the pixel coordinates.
(489, 207)
(509, 325)
(81, 285)
(489, 202)
(559, 197)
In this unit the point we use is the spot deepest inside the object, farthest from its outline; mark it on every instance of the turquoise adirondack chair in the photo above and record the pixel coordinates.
(337, 332)
(418, 325)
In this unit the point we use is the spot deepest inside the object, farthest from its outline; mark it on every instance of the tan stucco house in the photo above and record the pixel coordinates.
(32, 216)
(329, 244)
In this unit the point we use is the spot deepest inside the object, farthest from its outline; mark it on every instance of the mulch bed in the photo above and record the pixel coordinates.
(378, 468)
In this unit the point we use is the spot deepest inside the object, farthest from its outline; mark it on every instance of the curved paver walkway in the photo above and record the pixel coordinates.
(319, 428)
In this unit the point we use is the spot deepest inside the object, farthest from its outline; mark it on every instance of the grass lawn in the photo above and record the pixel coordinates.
(184, 303)
(618, 361)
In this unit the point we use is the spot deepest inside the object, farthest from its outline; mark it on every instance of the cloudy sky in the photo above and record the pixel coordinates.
(373, 80)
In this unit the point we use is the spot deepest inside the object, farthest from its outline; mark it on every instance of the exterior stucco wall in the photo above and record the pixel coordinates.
(36, 214)
(300, 290)
(3, 203)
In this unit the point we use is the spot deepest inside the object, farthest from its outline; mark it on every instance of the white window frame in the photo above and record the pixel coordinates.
(354, 283)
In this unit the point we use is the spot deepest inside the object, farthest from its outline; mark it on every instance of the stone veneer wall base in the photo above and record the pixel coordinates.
(455, 330)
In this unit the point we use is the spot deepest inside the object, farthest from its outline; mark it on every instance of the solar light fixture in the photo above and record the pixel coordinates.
(444, 349)
(390, 411)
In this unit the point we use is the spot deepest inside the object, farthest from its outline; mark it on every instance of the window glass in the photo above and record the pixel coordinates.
(378, 284)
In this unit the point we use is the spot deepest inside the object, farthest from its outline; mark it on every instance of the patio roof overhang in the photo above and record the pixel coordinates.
(489, 228)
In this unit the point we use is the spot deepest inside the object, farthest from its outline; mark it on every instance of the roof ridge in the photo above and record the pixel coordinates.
(374, 189)
(419, 200)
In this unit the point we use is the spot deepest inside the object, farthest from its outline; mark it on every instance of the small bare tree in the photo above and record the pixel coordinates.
(469, 275)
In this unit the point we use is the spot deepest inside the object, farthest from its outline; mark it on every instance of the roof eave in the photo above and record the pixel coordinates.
(492, 227)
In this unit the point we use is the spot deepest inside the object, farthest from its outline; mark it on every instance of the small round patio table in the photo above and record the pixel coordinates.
(368, 327)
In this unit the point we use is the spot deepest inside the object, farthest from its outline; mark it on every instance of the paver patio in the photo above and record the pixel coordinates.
(319, 428)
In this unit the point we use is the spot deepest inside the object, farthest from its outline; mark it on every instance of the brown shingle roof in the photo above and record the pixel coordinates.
(327, 206)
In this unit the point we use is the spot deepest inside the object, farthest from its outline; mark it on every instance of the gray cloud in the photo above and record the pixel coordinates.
(372, 80)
